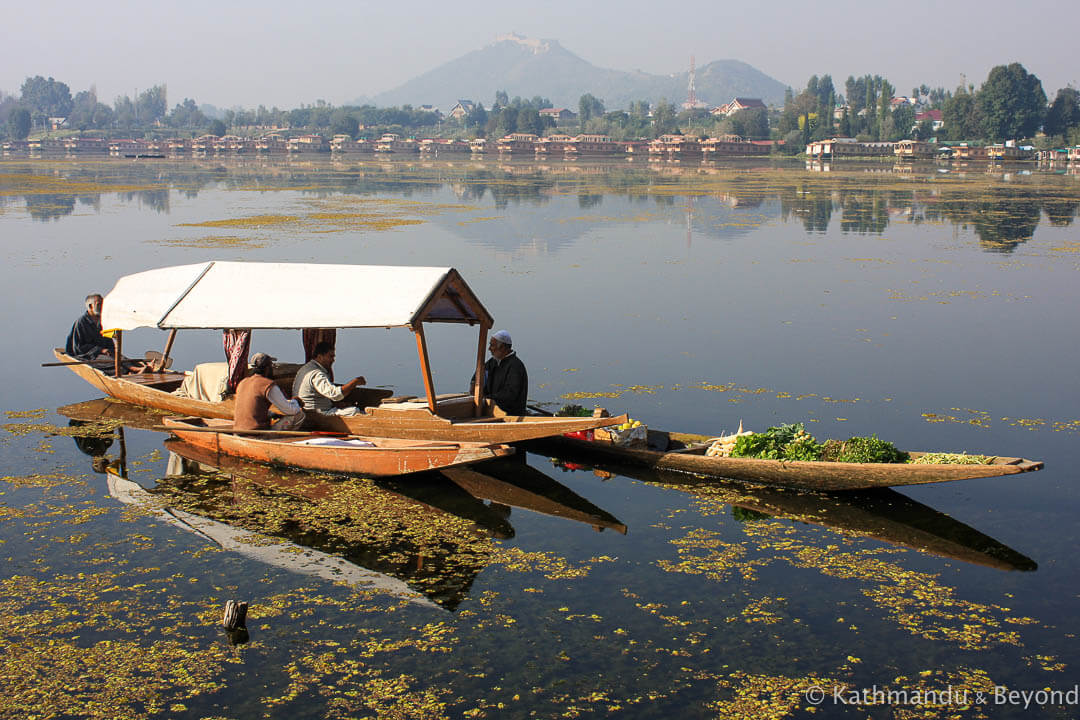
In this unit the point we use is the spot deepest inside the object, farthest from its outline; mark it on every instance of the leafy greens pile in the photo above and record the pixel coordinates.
(792, 442)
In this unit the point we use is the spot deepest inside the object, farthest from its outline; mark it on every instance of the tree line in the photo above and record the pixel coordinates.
(1010, 104)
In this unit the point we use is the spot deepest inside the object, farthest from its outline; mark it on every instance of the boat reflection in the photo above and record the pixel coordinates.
(425, 538)
(881, 514)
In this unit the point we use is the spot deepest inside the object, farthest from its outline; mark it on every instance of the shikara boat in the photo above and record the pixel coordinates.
(228, 295)
(682, 452)
(320, 452)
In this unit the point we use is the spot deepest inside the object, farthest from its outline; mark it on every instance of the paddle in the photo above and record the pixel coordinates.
(172, 428)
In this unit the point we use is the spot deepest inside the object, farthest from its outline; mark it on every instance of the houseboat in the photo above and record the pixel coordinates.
(1007, 151)
(86, 145)
(553, 145)
(964, 151)
(271, 144)
(848, 147)
(46, 145)
(179, 146)
(394, 143)
(591, 146)
(675, 147)
(203, 145)
(517, 144)
(732, 145)
(344, 144)
(307, 144)
(915, 150)
(434, 147)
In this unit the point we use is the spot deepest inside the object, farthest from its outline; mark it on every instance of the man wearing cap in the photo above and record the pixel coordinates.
(256, 393)
(505, 380)
(85, 341)
(314, 388)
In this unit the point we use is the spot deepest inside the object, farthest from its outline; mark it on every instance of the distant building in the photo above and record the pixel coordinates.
(933, 115)
(561, 116)
(431, 109)
(462, 109)
(737, 104)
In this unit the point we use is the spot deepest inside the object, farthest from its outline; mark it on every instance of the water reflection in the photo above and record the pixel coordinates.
(428, 535)
(884, 515)
(1002, 209)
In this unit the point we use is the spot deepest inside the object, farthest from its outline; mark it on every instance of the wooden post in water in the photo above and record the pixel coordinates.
(425, 366)
(235, 615)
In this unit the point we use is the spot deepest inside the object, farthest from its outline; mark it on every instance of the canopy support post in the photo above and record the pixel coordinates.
(425, 366)
(478, 387)
(167, 350)
(118, 347)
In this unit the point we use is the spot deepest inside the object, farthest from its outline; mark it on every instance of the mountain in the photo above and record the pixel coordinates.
(528, 67)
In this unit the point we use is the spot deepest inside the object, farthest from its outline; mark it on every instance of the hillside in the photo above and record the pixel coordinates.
(526, 67)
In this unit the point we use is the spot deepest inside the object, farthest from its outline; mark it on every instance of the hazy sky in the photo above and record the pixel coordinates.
(230, 53)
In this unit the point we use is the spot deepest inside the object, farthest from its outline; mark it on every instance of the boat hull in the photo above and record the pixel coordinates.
(819, 476)
(386, 456)
(393, 422)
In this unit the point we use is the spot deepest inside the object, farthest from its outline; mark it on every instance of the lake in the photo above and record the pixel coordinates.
(931, 305)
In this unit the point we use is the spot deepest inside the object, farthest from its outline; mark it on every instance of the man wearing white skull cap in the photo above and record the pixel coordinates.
(506, 381)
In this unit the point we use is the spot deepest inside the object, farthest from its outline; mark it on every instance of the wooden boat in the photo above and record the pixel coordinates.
(223, 295)
(389, 533)
(683, 452)
(315, 451)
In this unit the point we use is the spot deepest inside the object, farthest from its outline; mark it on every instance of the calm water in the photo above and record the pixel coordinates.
(933, 309)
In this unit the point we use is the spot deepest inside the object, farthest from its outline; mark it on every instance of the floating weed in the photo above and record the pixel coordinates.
(765, 696)
(586, 395)
(553, 567)
(31, 184)
(255, 221)
(214, 242)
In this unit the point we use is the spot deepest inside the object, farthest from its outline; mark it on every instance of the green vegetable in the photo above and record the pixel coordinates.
(862, 450)
(573, 411)
(783, 442)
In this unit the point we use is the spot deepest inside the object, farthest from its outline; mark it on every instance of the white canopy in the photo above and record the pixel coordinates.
(290, 295)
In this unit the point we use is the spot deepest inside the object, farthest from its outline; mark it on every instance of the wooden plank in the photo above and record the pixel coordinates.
(425, 367)
(478, 388)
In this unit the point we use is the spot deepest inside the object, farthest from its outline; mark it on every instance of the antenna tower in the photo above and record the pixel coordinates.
(691, 95)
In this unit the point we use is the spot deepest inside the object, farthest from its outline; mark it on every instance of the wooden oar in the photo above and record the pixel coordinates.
(173, 428)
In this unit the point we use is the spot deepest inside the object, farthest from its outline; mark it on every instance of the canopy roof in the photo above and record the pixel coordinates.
(290, 295)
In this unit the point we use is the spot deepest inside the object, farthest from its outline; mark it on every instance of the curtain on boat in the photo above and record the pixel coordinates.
(236, 343)
(314, 336)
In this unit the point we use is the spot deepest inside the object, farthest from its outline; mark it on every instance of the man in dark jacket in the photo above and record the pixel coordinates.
(85, 341)
(505, 380)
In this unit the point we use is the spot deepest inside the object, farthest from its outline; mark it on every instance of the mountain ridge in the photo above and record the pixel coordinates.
(529, 67)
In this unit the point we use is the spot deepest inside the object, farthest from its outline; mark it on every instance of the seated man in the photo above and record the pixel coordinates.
(85, 341)
(506, 381)
(314, 389)
(256, 393)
